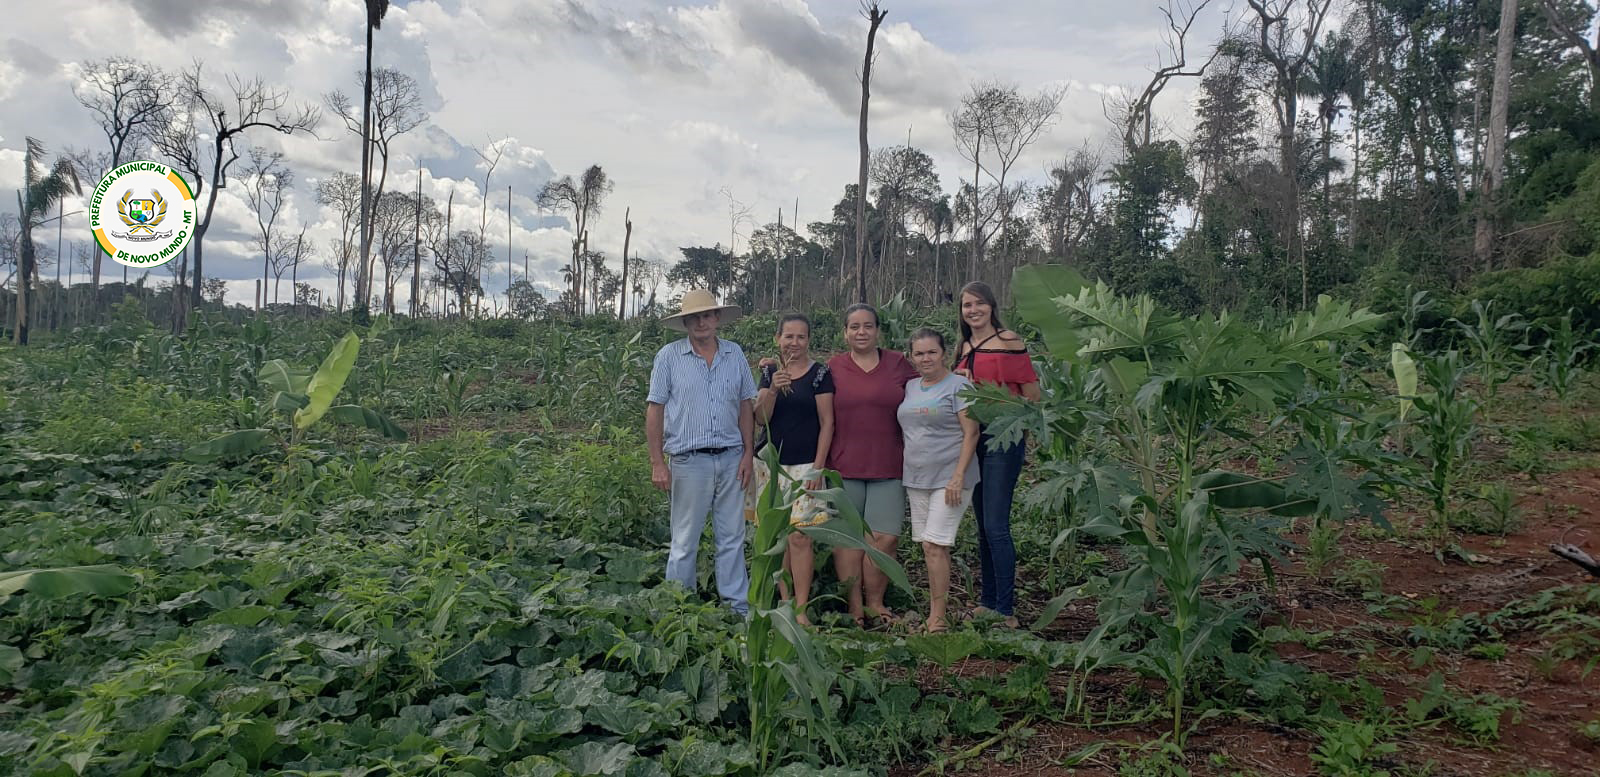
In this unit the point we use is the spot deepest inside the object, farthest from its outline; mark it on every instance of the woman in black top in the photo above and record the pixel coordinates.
(795, 402)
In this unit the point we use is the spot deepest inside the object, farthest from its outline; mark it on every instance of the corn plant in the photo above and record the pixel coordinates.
(304, 397)
(1418, 304)
(1448, 425)
(1561, 362)
(1493, 340)
(788, 680)
(1161, 409)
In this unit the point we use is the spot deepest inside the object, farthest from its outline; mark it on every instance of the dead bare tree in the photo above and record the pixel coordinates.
(1173, 63)
(126, 97)
(970, 125)
(1287, 31)
(267, 183)
(1494, 152)
(874, 16)
(627, 236)
(396, 109)
(342, 192)
(202, 111)
(491, 159)
(1021, 120)
(288, 253)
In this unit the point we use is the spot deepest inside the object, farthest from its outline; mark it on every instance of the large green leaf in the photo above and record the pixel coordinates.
(1124, 377)
(98, 580)
(1127, 325)
(10, 661)
(1035, 288)
(230, 445)
(357, 415)
(1236, 491)
(598, 758)
(328, 380)
(944, 649)
(288, 402)
(279, 376)
(1405, 376)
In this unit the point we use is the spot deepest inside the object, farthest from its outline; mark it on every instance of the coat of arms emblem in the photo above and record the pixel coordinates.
(142, 215)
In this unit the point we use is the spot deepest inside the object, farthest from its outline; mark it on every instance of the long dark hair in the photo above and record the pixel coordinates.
(982, 291)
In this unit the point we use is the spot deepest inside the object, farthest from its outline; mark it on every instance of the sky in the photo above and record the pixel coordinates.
(682, 104)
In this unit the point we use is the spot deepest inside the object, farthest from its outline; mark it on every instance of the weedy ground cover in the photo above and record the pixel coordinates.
(464, 578)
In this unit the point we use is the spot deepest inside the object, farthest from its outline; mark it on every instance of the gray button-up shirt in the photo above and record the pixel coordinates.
(701, 401)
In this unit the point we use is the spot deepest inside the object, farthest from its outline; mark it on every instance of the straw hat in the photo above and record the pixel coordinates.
(700, 301)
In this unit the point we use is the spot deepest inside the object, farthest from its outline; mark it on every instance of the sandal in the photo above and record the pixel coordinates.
(936, 626)
(886, 617)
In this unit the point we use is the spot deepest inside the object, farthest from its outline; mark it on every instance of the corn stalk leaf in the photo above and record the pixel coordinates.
(839, 539)
(328, 380)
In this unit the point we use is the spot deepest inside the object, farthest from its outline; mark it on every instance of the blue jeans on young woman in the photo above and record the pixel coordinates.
(709, 483)
(991, 502)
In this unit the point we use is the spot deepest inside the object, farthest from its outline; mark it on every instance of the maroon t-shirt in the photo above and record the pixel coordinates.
(866, 435)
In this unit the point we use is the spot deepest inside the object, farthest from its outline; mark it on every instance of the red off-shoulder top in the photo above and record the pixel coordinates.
(1012, 369)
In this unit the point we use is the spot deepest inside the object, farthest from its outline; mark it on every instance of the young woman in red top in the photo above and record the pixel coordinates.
(990, 353)
(869, 383)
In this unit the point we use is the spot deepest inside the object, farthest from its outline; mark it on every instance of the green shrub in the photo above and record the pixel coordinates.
(1544, 293)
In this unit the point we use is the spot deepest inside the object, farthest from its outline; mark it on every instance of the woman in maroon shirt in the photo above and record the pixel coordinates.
(869, 384)
(990, 353)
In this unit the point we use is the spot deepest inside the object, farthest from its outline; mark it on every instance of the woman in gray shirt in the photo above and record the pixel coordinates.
(939, 466)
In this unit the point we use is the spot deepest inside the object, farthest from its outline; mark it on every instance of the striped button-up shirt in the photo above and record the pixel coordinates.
(701, 400)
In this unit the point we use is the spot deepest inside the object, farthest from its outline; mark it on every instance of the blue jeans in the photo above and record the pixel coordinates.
(991, 503)
(702, 484)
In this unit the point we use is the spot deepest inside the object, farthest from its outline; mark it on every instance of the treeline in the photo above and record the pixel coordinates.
(1357, 148)
(1356, 160)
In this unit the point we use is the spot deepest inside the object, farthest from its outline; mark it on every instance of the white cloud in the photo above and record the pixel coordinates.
(677, 102)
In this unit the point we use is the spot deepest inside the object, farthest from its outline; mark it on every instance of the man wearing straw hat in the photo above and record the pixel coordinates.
(700, 425)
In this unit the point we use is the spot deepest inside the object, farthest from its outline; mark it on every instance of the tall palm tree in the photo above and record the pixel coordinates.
(39, 194)
(937, 215)
(376, 10)
(1332, 75)
(1356, 92)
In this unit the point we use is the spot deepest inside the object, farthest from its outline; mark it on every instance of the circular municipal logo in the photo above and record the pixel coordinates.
(142, 214)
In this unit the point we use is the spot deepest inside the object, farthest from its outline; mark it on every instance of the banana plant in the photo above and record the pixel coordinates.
(1405, 383)
(303, 397)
